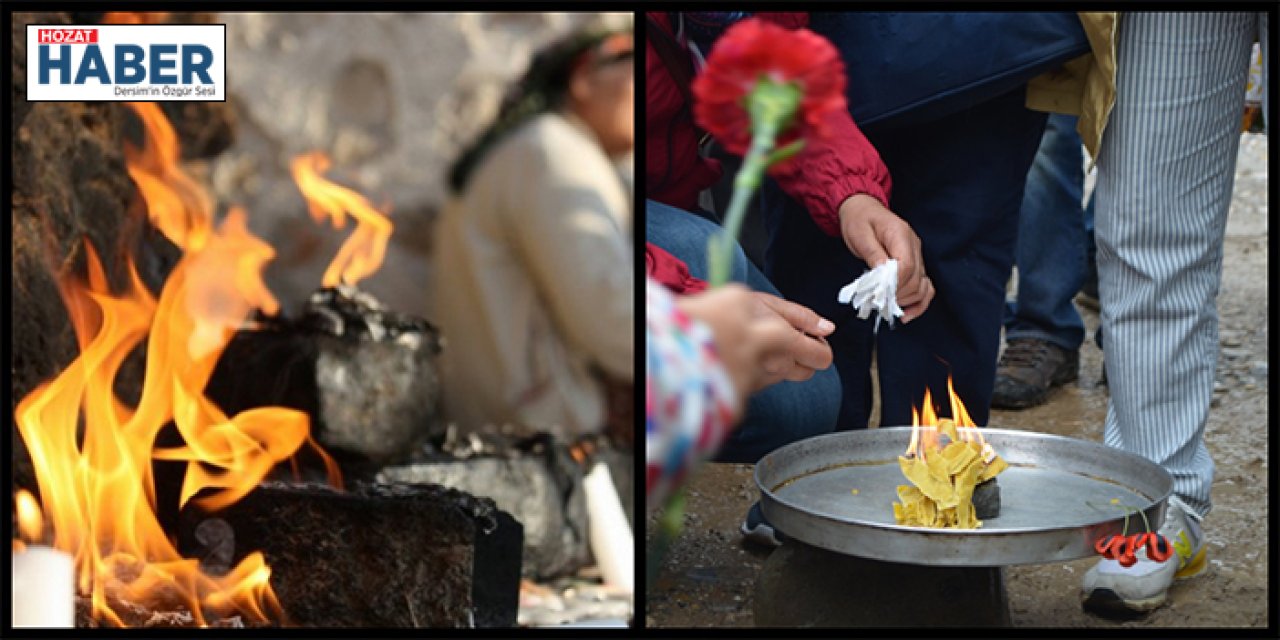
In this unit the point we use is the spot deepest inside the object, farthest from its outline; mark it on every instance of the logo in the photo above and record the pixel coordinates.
(153, 63)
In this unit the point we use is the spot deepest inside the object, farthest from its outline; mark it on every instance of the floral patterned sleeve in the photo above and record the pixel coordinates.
(689, 398)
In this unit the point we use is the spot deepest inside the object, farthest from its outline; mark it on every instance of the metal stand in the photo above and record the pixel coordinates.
(805, 586)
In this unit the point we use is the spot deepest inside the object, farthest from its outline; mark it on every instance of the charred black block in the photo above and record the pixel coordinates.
(986, 499)
(367, 376)
(377, 556)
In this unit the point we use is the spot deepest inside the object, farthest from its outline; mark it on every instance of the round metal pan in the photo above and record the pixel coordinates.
(837, 491)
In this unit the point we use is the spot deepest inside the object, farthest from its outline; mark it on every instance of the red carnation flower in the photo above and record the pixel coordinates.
(753, 49)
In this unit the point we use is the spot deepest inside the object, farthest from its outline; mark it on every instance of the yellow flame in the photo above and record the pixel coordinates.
(925, 439)
(362, 253)
(30, 520)
(97, 486)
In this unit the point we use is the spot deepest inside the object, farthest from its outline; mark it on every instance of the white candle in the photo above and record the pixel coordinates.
(43, 588)
(608, 531)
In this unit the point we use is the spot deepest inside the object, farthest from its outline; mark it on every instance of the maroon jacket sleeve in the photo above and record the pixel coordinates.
(827, 172)
(670, 271)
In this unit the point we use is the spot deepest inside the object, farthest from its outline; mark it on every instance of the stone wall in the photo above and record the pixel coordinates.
(391, 97)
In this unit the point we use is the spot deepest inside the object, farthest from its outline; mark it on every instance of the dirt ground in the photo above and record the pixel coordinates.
(709, 577)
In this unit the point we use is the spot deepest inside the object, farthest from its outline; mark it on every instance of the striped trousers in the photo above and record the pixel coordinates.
(1165, 173)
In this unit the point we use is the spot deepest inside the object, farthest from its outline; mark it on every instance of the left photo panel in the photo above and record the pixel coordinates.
(322, 320)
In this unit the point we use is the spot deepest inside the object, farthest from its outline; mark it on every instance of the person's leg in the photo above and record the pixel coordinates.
(1043, 329)
(781, 413)
(1051, 249)
(958, 181)
(1166, 168)
(684, 235)
(810, 267)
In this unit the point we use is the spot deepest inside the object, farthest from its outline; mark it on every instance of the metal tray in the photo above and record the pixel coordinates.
(807, 492)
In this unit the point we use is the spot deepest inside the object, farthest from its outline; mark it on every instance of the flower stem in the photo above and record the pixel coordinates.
(669, 526)
(772, 106)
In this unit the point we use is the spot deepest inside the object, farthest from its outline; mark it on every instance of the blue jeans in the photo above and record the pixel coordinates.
(775, 416)
(1053, 241)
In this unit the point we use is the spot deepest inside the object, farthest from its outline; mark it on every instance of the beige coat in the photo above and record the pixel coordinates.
(1085, 86)
(533, 283)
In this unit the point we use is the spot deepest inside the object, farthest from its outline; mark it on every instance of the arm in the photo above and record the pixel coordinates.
(830, 171)
(689, 402)
(670, 271)
(566, 211)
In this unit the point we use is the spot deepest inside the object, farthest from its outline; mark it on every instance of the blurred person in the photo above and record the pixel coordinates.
(705, 353)
(533, 284)
(1166, 169)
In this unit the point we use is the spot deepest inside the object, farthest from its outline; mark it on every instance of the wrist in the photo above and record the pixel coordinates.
(858, 206)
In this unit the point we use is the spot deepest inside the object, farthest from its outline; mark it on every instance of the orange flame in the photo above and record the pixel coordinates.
(30, 520)
(928, 438)
(363, 252)
(97, 488)
(130, 17)
(176, 204)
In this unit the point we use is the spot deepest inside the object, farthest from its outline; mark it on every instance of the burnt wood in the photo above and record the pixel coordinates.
(374, 556)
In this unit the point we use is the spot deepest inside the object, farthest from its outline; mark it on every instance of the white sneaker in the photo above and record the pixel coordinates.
(1113, 590)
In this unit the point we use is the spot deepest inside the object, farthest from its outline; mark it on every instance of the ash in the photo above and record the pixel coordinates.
(346, 312)
(578, 600)
(137, 615)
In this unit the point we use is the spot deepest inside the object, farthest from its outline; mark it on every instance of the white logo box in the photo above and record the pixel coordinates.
(135, 62)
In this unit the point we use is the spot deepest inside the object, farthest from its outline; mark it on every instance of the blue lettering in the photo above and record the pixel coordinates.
(159, 64)
(93, 65)
(129, 69)
(61, 63)
(190, 67)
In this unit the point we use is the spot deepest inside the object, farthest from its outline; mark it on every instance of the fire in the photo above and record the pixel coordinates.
(30, 520)
(176, 204)
(363, 252)
(131, 17)
(927, 427)
(943, 478)
(93, 453)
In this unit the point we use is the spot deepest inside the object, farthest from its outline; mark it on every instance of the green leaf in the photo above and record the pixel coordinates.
(788, 151)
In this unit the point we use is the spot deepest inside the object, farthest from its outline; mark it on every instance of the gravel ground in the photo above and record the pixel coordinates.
(709, 576)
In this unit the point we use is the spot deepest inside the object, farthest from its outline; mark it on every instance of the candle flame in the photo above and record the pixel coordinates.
(30, 518)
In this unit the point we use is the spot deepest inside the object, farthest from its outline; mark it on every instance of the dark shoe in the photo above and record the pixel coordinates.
(756, 529)
(1028, 369)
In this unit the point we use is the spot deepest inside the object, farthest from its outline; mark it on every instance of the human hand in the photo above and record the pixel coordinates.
(875, 234)
(751, 344)
(809, 351)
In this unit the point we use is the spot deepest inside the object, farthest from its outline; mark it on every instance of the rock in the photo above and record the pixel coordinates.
(1259, 369)
(986, 499)
(1229, 338)
(1236, 353)
(365, 375)
(554, 517)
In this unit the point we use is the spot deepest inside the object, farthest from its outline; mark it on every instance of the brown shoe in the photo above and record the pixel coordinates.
(1028, 369)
